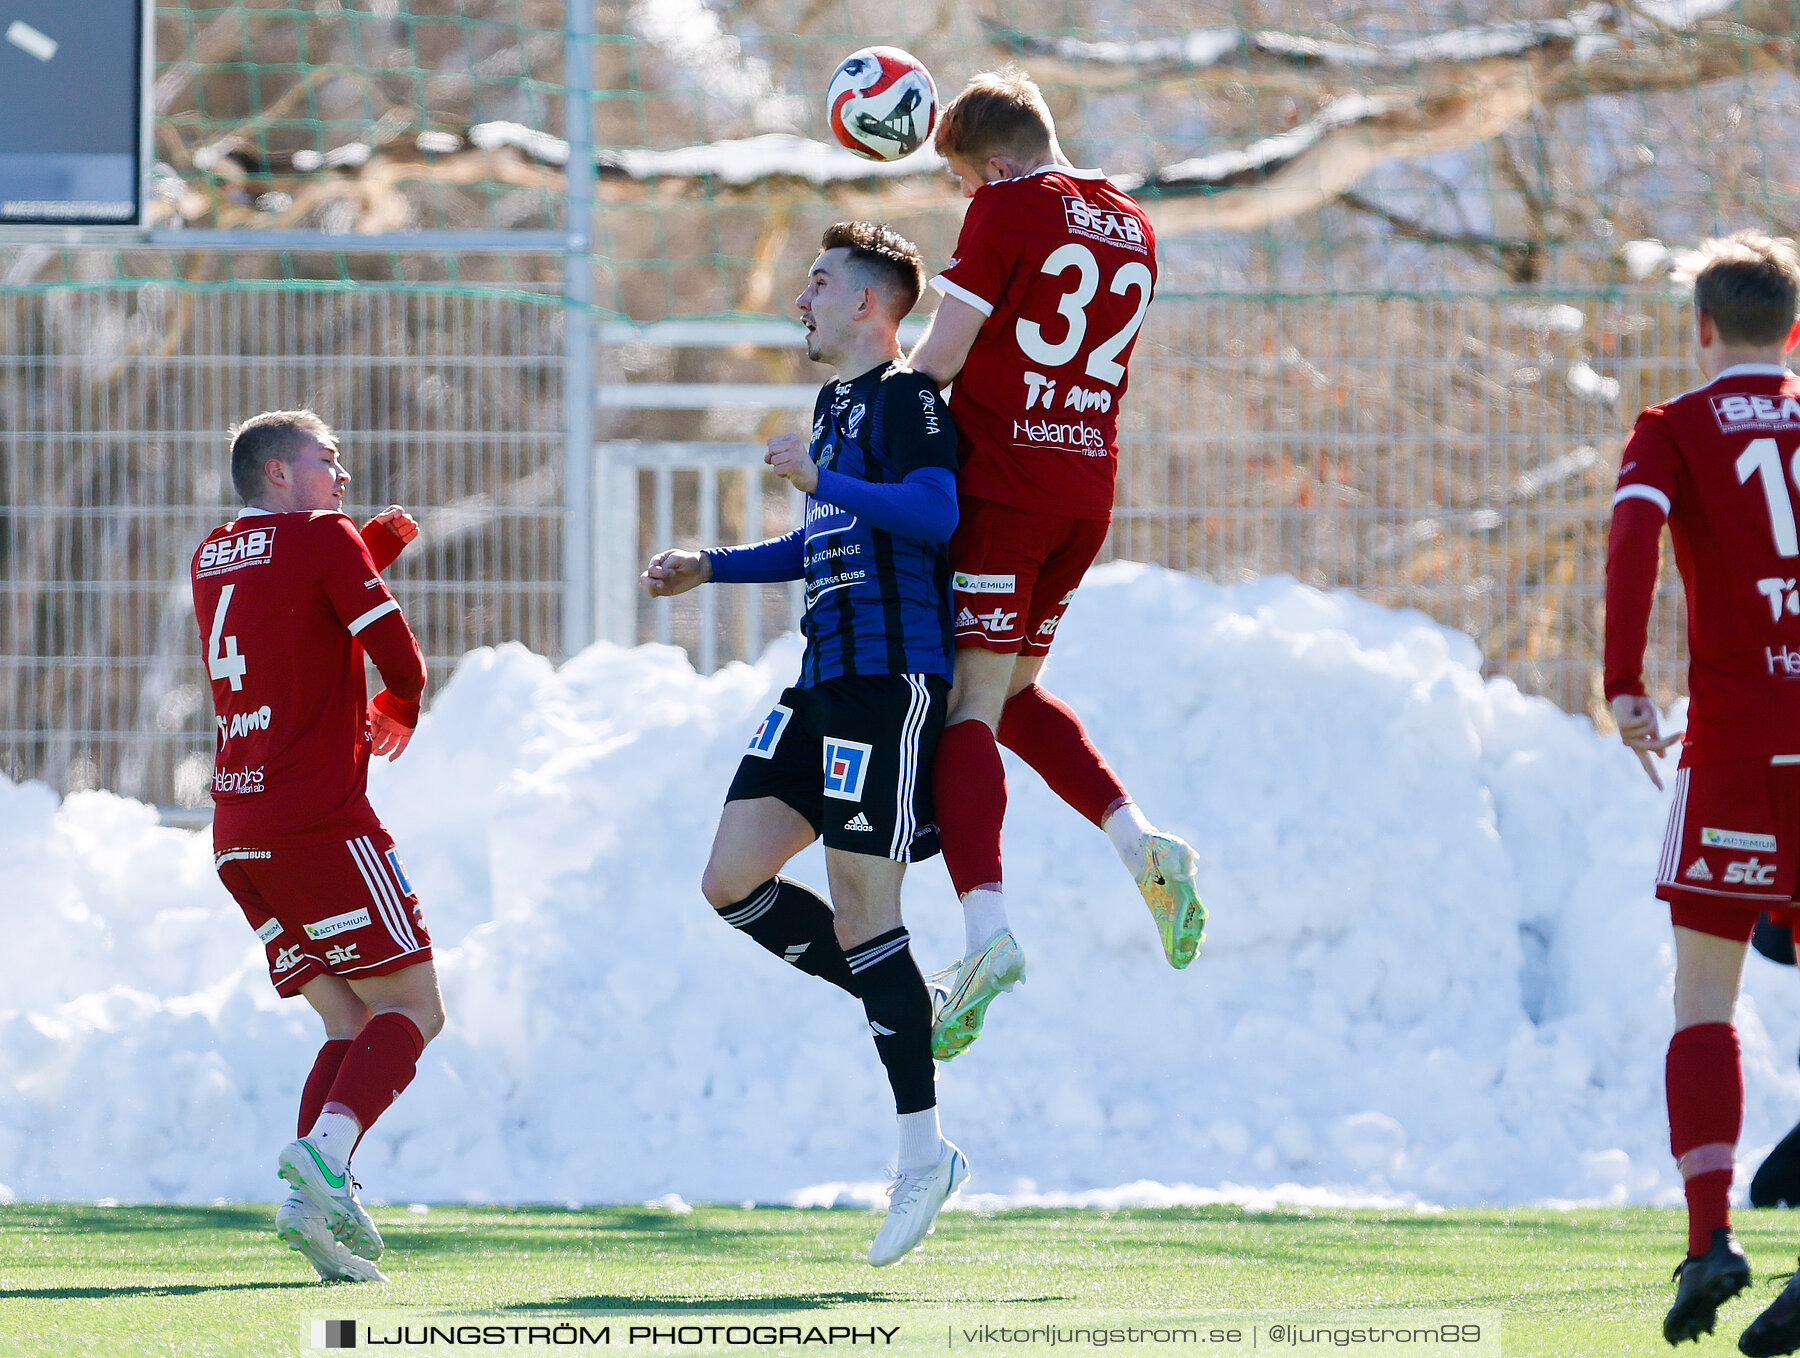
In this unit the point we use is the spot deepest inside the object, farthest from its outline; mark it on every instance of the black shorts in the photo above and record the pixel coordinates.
(853, 755)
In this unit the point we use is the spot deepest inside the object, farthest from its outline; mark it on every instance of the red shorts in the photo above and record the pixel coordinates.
(1732, 846)
(342, 908)
(1015, 572)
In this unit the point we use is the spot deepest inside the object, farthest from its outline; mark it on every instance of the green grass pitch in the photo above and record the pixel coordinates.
(213, 1280)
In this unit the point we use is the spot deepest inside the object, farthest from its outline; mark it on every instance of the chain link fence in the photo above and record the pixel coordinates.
(114, 402)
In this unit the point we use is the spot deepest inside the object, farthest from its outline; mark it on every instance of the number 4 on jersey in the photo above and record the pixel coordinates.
(223, 659)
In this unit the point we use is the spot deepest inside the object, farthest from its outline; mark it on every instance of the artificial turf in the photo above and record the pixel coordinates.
(213, 1280)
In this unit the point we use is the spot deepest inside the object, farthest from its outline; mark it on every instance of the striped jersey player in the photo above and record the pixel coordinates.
(846, 753)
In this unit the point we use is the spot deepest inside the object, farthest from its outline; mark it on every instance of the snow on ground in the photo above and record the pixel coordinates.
(1435, 971)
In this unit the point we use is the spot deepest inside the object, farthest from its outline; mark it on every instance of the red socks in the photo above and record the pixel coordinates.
(318, 1082)
(1045, 732)
(968, 785)
(1705, 1082)
(380, 1063)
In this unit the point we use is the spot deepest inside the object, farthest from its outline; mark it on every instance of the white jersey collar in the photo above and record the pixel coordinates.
(1753, 370)
(1070, 170)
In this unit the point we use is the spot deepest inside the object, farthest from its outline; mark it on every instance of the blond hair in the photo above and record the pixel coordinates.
(1748, 282)
(274, 434)
(998, 113)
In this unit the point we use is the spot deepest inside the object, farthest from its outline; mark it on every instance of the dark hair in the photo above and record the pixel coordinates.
(998, 113)
(1748, 282)
(883, 251)
(274, 434)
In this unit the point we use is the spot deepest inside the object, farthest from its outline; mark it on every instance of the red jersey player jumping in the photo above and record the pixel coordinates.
(289, 597)
(1041, 307)
(1721, 465)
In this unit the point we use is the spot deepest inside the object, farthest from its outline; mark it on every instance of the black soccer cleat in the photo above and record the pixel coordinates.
(1707, 1282)
(1777, 1329)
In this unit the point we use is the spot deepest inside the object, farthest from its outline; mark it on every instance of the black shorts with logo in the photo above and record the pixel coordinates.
(853, 755)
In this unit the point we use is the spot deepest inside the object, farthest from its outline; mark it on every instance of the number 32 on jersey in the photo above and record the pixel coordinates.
(1102, 363)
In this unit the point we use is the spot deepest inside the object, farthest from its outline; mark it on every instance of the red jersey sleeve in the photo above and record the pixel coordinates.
(384, 544)
(1647, 490)
(1648, 465)
(350, 579)
(986, 254)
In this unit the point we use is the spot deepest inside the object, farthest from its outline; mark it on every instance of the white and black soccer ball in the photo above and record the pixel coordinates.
(882, 103)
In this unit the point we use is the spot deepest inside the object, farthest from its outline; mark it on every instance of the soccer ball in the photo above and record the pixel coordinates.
(882, 103)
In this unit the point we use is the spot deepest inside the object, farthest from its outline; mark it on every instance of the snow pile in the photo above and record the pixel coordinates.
(1435, 970)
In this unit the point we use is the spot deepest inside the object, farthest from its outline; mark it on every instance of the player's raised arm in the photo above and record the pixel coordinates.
(387, 535)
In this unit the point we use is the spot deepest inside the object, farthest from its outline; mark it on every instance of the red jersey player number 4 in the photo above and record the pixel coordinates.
(288, 598)
(1063, 265)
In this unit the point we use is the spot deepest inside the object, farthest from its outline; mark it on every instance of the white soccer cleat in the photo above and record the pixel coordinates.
(961, 993)
(330, 1188)
(913, 1206)
(302, 1227)
(1168, 887)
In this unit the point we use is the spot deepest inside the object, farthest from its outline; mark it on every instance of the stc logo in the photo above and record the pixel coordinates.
(1750, 872)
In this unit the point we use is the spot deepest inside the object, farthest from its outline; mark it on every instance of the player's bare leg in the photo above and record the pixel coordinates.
(405, 1011)
(866, 891)
(1706, 1107)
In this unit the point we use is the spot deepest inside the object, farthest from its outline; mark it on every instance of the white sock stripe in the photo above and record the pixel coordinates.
(382, 890)
(905, 819)
(753, 909)
(869, 954)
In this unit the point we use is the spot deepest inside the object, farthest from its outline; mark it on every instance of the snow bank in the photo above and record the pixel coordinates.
(1435, 970)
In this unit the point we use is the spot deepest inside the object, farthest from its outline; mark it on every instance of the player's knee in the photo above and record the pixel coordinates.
(724, 885)
(428, 1018)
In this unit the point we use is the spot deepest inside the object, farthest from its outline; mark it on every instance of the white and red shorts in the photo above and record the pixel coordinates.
(342, 908)
(1015, 571)
(1732, 846)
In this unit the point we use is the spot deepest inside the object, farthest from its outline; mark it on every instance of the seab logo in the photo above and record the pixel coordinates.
(253, 548)
(768, 735)
(846, 765)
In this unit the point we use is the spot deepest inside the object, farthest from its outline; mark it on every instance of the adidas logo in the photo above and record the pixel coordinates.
(1698, 871)
(967, 618)
(878, 1030)
(859, 822)
(793, 953)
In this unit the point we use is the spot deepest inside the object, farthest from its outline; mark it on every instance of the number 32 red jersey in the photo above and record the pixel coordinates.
(1062, 263)
(1723, 462)
(280, 600)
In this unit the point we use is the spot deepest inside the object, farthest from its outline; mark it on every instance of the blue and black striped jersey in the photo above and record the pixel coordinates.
(876, 602)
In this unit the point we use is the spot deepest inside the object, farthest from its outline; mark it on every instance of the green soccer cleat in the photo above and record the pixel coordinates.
(330, 1188)
(960, 994)
(1168, 889)
(303, 1228)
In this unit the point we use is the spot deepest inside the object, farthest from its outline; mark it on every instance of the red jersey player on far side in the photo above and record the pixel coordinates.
(1053, 274)
(1721, 465)
(289, 597)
